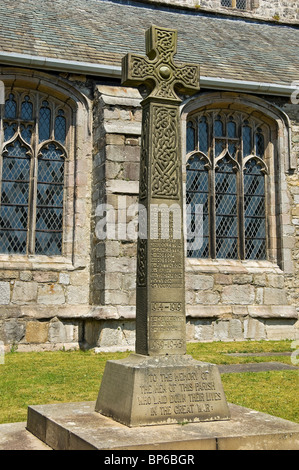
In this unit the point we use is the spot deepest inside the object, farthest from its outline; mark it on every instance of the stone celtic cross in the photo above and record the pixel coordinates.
(160, 383)
(160, 299)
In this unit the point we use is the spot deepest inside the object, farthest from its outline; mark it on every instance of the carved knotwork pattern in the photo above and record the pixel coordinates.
(165, 165)
(144, 155)
(158, 70)
(141, 262)
(141, 68)
(166, 43)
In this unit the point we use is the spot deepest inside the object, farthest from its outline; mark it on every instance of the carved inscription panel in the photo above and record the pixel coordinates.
(166, 264)
(180, 393)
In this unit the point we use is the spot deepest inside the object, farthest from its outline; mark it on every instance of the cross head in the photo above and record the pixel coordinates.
(158, 71)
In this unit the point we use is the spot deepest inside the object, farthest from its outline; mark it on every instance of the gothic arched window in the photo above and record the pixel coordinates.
(32, 166)
(225, 186)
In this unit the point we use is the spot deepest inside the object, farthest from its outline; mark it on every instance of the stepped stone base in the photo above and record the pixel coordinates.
(76, 426)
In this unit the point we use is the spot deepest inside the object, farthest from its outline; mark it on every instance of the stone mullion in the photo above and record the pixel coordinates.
(212, 195)
(33, 187)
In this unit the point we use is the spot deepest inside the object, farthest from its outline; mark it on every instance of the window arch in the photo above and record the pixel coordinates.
(34, 135)
(233, 171)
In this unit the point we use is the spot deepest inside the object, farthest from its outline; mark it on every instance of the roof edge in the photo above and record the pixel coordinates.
(113, 71)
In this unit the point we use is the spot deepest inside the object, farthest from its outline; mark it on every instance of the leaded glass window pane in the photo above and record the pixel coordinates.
(255, 213)
(247, 150)
(60, 127)
(9, 130)
(190, 137)
(226, 3)
(32, 176)
(10, 108)
(259, 144)
(231, 129)
(197, 186)
(241, 4)
(27, 109)
(226, 210)
(49, 204)
(44, 122)
(232, 189)
(14, 199)
(218, 127)
(203, 135)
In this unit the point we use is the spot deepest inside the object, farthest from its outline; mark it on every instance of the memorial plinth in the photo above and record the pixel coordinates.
(160, 383)
(145, 390)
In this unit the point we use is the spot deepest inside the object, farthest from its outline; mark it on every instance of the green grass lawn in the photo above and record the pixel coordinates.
(70, 376)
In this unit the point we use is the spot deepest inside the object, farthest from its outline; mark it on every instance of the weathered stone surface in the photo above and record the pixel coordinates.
(51, 294)
(36, 332)
(238, 294)
(14, 331)
(273, 296)
(75, 426)
(147, 390)
(4, 293)
(24, 292)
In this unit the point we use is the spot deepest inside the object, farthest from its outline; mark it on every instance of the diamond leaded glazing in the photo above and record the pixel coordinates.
(14, 198)
(32, 180)
(49, 202)
(226, 210)
(197, 186)
(226, 174)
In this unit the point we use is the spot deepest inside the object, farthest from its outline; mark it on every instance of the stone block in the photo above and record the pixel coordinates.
(112, 281)
(92, 329)
(221, 330)
(4, 293)
(273, 296)
(45, 276)
(276, 280)
(260, 280)
(51, 294)
(115, 139)
(199, 282)
(64, 278)
(116, 297)
(63, 332)
(221, 278)
(259, 296)
(238, 294)
(120, 265)
(77, 295)
(14, 331)
(254, 329)
(207, 297)
(79, 278)
(242, 278)
(235, 330)
(36, 332)
(277, 330)
(110, 335)
(203, 330)
(26, 276)
(24, 292)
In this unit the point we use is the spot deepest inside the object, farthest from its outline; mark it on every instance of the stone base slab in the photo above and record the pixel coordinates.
(147, 390)
(76, 426)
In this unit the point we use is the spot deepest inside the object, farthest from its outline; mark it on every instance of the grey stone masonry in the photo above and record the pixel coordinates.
(276, 10)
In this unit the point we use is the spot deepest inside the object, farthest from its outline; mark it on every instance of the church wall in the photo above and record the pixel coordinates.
(277, 10)
(226, 300)
(43, 298)
(90, 302)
